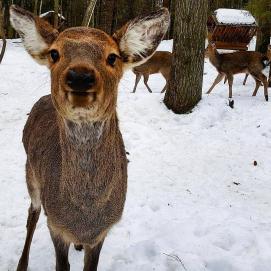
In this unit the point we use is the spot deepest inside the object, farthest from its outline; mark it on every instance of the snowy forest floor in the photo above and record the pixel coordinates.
(195, 200)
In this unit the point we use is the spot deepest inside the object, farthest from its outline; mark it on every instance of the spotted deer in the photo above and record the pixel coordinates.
(76, 164)
(160, 62)
(228, 64)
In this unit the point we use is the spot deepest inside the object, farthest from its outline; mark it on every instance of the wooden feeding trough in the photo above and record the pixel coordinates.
(231, 29)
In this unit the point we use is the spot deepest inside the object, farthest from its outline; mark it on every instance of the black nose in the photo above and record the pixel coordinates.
(80, 80)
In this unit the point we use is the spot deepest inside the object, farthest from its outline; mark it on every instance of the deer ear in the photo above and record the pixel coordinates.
(37, 34)
(139, 38)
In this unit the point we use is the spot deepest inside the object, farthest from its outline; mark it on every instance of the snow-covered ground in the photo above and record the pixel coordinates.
(195, 200)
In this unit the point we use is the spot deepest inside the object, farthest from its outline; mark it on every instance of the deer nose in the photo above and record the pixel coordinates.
(80, 81)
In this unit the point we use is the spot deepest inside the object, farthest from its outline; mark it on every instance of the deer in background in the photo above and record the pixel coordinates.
(160, 62)
(228, 64)
(268, 55)
(76, 164)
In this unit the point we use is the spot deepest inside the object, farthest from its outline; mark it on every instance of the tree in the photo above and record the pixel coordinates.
(2, 31)
(185, 85)
(56, 9)
(89, 12)
(261, 9)
(35, 11)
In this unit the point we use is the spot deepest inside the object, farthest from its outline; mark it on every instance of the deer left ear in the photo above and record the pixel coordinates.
(139, 38)
(37, 34)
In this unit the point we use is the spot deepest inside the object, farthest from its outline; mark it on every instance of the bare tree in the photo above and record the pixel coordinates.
(40, 7)
(89, 12)
(56, 9)
(185, 86)
(35, 11)
(2, 31)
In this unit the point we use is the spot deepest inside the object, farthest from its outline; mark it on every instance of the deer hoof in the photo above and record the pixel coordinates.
(266, 97)
(22, 266)
(231, 103)
(78, 247)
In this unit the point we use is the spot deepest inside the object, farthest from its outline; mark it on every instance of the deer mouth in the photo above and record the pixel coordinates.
(83, 94)
(81, 98)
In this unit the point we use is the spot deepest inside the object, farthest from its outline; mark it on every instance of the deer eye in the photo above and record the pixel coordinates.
(54, 55)
(111, 59)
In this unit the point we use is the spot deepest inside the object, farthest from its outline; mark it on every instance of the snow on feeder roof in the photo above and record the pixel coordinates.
(234, 17)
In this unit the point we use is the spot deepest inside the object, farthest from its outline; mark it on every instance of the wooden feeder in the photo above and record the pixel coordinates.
(231, 29)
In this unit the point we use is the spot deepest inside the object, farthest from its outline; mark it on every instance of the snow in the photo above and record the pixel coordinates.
(234, 16)
(195, 200)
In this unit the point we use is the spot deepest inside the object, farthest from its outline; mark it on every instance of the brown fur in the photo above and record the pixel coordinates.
(229, 64)
(160, 62)
(76, 163)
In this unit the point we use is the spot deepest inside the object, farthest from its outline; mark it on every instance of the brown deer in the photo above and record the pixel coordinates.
(160, 62)
(229, 64)
(268, 55)
(76, 164)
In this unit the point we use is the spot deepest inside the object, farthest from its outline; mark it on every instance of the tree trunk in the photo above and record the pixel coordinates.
(56, 9)
(40, 7)
(106, 13)
(269, 77)
(3, 48)
(2, 31)
(89, 12)
(35, 11)
(185, 86)
(263, 38)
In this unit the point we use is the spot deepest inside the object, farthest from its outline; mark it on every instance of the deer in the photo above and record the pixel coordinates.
(228, 64)
(268, 55)
(76, 166)
(160, 62)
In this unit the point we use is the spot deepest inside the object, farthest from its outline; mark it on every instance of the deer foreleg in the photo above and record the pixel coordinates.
(146, 78)
(219, 77)
(33, 217)
(91, 258)
(138, 77)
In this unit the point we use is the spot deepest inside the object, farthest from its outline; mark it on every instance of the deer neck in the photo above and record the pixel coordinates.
(214, 58)
(84, 148)
(80, 143)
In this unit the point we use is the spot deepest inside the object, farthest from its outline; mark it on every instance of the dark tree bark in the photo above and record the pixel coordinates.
(185, 86)
(263, 38)
(3, 48)
(56, 9)
(35, 10)
(105, 15)
(2, 31)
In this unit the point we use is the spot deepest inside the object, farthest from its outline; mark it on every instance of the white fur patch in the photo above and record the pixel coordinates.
(144, 35)
(26, 28)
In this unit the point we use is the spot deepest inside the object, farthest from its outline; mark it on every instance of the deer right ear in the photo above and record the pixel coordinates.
(139, 38)
(37, 34)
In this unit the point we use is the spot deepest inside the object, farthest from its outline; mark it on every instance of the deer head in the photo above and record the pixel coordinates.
(87, 64)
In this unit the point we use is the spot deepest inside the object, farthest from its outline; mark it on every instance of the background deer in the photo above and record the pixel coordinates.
(76, 164)
(160, 62)
(268, 55)
(229, 64)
